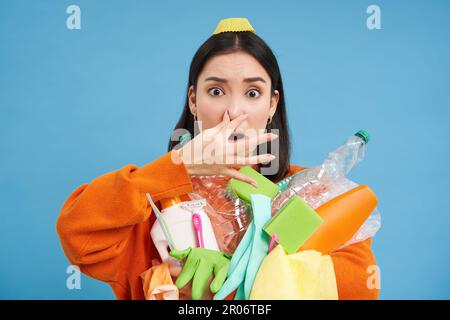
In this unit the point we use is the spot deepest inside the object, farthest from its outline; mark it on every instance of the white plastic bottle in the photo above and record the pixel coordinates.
(177, 217)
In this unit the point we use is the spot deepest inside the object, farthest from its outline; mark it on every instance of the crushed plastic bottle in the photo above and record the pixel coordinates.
(229, 215)
(318, 185)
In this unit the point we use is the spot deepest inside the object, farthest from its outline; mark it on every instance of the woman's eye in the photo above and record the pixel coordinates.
(253, 93)
(216, 92)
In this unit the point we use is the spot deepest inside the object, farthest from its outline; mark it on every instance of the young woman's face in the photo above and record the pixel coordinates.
(236, 83)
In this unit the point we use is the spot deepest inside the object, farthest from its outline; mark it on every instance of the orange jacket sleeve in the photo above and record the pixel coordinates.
(351, 269)
(96, 220)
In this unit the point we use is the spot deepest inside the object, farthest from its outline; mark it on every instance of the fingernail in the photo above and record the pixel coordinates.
(270, 157)
(254, 184)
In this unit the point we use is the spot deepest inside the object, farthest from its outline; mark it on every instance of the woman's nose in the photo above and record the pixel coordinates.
(235, 111)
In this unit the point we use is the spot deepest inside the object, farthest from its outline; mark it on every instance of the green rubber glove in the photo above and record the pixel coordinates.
(199, 265)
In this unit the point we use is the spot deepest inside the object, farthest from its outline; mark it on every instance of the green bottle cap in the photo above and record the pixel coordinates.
(364, 135)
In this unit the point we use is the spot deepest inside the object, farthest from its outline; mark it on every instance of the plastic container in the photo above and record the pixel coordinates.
(342, 217)
(229, 215)
(318, 185)
(177, 217)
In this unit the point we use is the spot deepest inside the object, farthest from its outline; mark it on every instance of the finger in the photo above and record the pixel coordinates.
(261, 138)
(263, 158)
(180, 254)
(226, 117)
(235, 278)
(220, 274)
(201, 277)
(222, 124)
(233, 173)
(225, 120)
(246, 147)
(187, 273)
(236, 122)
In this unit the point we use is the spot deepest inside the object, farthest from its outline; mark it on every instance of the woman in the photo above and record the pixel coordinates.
(234, 88)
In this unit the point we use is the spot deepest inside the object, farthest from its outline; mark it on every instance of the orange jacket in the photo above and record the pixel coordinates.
(104, 228)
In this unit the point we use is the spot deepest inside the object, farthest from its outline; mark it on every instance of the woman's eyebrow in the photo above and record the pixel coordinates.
(252, 79)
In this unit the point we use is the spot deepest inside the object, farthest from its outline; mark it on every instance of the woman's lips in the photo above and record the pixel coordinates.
(236, 136)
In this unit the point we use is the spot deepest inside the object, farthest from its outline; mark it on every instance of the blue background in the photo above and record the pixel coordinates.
(75, 104)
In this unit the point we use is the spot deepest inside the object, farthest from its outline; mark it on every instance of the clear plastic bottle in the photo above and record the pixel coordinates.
(318, 185)
(228, 214)
(341, 161)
